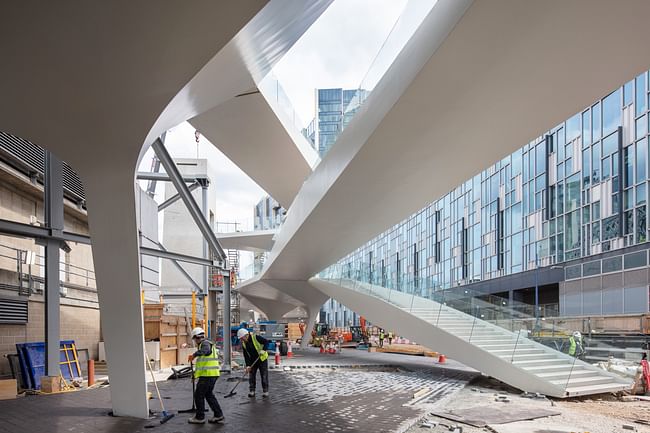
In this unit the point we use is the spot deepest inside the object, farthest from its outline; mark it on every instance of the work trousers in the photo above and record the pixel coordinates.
(204, 391)
(263, 368)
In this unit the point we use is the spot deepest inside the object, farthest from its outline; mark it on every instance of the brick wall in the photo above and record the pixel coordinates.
(78, 323)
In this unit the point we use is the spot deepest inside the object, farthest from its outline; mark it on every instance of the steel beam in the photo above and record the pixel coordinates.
(53, 220)
(173, 199)
(182, 270)
(13, 228)
(187, 198)
(175, 256)
(163, 177)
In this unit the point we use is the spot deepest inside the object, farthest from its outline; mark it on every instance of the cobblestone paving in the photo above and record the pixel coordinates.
(315, 400)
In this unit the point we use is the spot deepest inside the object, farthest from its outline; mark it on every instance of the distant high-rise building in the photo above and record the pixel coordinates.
(334, 108)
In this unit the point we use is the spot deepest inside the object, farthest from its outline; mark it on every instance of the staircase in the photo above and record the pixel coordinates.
(508, 356)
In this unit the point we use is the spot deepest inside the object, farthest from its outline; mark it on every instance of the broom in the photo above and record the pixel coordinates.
(165, 416)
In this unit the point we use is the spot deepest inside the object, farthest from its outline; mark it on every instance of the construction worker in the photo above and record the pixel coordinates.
(206, 370)
(575, 344)
(256, 360)
(390, 337)
(381, 338)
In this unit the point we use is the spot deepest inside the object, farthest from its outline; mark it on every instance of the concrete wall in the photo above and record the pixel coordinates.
(19, 200)
(180, 233)
(147, 211)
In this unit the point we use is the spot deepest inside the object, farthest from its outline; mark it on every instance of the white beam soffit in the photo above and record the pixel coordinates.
(251, 135)
(103, 80)
(256, 241)
(506, 73)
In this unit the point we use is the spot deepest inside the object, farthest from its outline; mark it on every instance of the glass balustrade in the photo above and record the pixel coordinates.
(533, 339)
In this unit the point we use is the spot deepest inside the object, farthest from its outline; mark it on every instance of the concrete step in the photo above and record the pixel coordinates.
(566, 373)
(582, 380)
(596, 389)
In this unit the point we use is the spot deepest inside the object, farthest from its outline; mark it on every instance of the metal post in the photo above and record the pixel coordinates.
(54, 221)
(226, 325)
(204, 206)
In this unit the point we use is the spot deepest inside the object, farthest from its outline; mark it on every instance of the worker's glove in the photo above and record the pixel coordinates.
(190, 358)
(248, 369)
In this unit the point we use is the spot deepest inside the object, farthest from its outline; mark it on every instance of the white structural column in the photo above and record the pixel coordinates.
(117, 268)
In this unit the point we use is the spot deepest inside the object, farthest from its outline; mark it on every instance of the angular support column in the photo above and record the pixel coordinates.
(312, 317)
(116, 257)
(54, 221)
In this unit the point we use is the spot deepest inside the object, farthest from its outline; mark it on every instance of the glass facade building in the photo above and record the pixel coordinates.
(334, 109)
(577, 192)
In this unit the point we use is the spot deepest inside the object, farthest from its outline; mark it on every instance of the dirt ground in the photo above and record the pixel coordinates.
(596, 414)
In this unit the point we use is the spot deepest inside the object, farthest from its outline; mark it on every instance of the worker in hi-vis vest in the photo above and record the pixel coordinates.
(575, 344)
(206, 371)
(256, 360)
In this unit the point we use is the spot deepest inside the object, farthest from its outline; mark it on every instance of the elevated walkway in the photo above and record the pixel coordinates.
(510, 356)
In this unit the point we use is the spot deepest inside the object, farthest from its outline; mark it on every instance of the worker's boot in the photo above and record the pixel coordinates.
(251, 394)
(216, 420)
(265, 394)
(195, 420)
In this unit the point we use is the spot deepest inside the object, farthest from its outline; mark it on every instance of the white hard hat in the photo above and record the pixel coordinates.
(577, 334)
(242, 332)
(197, 331)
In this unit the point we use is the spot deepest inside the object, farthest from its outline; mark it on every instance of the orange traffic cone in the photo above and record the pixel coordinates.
(289, 351)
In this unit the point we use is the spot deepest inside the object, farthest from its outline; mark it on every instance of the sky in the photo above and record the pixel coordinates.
(336, 51)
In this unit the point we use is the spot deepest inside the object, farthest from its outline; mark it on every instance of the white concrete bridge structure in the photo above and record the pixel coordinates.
(97, 82)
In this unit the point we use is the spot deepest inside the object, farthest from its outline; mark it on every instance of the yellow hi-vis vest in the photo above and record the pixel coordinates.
(207, 365)
(263, 354)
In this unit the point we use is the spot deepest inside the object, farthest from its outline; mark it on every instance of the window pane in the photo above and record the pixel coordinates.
(586, 128)
(572, 128)
(595, 122)
(612, 264)
(595, 232)
(571, 272)
(641, 156)
(628, 166)
(640, 194)
(641, 127)
(595, 211)
(610, 144)
(640, 94)
(586, 167)
(607, 167)
(612, 112)
(629, 223)
(540, 156)
(591, 268)
(635, 260)
(573, 193)
(641, 225)
(595, 154)
(628, 93)
(611, 227)
(572, 232)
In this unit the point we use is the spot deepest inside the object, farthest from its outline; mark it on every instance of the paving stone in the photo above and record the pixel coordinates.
(309, 399)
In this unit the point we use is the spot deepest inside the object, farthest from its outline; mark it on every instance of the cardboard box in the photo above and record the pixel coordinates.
(50, 384)
(8, 389)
